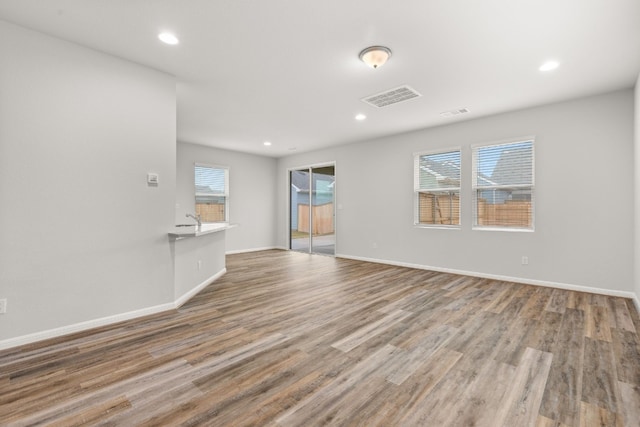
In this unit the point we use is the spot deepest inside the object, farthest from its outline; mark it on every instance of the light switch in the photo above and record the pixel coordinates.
(152, 178)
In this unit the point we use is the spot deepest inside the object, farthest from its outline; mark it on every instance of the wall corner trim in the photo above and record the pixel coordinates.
(190, 294)
(636, 302)
(109, 320)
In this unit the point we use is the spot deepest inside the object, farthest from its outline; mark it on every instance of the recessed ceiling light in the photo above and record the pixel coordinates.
(168, 38)
(549, 65)
(267, 143)
(360, 117)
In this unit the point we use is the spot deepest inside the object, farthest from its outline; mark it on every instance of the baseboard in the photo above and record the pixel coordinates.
(525, 281)
(109, 320)
(83, 326)
(243, 251)
(190, 294)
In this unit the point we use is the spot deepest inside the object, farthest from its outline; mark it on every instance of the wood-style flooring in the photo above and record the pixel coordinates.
(288, 339)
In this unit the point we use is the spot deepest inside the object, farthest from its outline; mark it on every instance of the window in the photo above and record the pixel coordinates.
(503, 184)
(437, 188)
(212, 193)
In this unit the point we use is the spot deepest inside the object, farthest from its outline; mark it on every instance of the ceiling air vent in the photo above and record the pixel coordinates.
(390, 97)
(453, 113)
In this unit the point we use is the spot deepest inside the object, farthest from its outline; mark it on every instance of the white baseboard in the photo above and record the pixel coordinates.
(109, 320)
(525, 281)
(104, 321)
(243, 251)
(83, 326)
(190, 294)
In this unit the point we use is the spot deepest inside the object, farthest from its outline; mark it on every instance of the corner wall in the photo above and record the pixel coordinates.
(252, 193)
(584, 197)
(83, 235)
(636, 256)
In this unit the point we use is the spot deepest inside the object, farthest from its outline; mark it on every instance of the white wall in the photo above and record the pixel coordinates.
(82, 236)
(196, 261)
(584, 204)
(252, 193)
(637, 189)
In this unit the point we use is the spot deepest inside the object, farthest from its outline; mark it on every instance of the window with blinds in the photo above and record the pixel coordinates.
(437, 188)
(503, 185)
(212, 193)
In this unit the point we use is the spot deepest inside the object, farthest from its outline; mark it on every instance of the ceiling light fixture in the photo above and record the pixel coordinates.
(267, 143)
(360, 117)
(548, 66)
(168, 38)
(375, 56)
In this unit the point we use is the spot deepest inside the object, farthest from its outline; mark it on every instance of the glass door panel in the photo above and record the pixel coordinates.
(300, 222)
(312, 216)
(323, 238)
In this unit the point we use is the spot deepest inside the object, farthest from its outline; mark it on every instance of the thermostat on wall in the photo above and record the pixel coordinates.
(152, 178)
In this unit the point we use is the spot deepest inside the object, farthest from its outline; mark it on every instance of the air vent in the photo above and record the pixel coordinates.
(453, 113)
(392, 96)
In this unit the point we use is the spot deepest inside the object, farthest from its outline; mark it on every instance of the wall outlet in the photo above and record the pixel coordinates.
(525, 260)
(3, 306)
(199, 264)
(375, 246)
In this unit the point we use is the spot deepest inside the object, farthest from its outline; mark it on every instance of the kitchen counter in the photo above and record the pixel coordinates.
(184, 231)
(197, 260)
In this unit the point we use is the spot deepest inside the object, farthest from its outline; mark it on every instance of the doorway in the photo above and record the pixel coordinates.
(312, 216)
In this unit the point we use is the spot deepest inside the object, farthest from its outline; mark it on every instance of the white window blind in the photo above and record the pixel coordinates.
(212, 193)
(503, 185)
(437, 188)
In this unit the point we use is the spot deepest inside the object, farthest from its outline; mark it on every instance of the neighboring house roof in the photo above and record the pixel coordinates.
(207, 190)
(514, 167)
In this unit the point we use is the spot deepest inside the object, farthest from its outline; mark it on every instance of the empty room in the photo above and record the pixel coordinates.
(293, 213)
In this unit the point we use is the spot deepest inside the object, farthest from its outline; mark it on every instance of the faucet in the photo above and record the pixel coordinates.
(196, 217)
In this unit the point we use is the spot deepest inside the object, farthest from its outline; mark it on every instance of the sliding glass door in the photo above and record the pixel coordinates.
(312, 216)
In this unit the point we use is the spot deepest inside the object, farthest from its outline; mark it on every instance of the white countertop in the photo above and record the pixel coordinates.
(180, 232)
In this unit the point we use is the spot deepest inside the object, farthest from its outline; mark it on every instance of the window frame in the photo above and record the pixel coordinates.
(475, 187)
(417, 190)
(225, 194)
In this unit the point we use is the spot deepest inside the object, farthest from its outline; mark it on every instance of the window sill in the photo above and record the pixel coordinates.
(437, 226)
(508, 229)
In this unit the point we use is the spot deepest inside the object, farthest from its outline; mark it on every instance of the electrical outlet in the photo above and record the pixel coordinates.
(525, 260)
(3, 306)
(199, 264)
(375, 246)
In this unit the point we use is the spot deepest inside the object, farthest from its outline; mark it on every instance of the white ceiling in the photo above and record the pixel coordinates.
(287, 71)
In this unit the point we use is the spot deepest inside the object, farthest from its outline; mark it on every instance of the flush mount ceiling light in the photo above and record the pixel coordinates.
(266, 143)
(360, 117)
(168, 38)
(375, 56)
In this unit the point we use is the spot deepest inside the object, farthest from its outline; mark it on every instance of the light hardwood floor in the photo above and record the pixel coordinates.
(287, 339)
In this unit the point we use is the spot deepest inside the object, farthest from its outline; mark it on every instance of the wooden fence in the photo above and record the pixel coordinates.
(322, 219)
(511, 213)
(445, 209)
(210, 212)
(439, 209)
